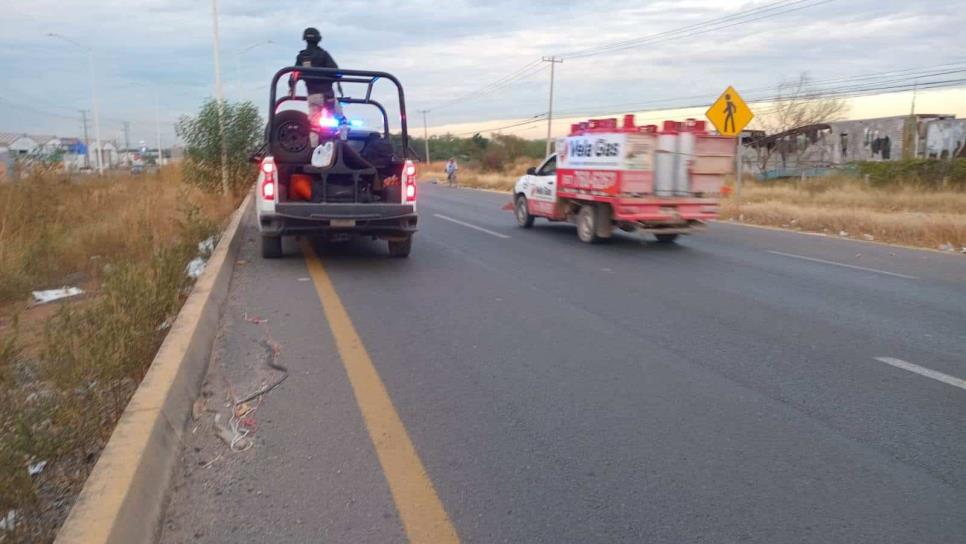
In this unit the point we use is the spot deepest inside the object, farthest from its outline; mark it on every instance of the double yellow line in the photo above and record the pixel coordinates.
(423, 516)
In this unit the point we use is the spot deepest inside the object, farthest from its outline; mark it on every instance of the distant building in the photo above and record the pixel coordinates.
(109, 153)
(17, 144)
(809, 150)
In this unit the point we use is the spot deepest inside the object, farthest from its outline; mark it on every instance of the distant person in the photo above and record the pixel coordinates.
(319, 90)
(451, 168)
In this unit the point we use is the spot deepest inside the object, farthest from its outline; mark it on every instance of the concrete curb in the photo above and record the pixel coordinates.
(122, 500)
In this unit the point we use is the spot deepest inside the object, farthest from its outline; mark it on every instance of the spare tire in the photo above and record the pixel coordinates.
(290, 137)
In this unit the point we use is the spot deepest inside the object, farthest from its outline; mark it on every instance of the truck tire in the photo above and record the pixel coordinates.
(604, 226)
(290, 141)
(666, 238)
(587, 224)
(271, 247)
(522, 213)
(400, 249)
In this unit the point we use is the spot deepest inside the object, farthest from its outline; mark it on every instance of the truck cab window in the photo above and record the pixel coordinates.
(549, 168)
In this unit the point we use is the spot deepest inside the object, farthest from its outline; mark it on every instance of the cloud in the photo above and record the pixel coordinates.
(441, 51)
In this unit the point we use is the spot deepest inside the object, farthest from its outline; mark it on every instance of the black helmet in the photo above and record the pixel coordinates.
(311, 35)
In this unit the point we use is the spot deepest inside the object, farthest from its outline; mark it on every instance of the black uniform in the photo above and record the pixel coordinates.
(319, 58)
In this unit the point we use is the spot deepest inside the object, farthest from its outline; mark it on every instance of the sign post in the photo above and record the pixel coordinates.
(730, 115)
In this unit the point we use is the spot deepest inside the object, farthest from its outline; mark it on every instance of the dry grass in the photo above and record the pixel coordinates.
(55, 230)
(907, 214)
(902, 214)
(470, 176)
(67, 370)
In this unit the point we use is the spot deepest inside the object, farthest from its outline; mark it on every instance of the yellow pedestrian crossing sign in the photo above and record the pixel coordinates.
(729, 113)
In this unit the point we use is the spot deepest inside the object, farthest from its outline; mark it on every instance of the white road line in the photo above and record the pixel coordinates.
(923, 371)
(843, 265)
(474, 227)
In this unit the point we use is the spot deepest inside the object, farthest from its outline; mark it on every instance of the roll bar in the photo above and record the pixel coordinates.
(340, 75)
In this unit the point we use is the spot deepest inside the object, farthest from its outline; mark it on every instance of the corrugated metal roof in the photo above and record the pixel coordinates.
(7, 138)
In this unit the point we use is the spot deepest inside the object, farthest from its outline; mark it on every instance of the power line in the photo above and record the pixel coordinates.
(815, 84)
(529, 120)
(36, 110)
(755, 14)
(748, 16)
(850, 91)
(843, 92)
(919, 73)
(503, 82)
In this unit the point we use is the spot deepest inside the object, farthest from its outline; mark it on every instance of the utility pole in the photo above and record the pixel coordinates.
(220, 98)
(127, 140)
(553, 62)
(425, 134)
(87, 143)
(97, 115)
(738, 168)
(157, 126)
(912, 118)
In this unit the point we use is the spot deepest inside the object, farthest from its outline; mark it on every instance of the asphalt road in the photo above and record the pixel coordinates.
(743, 385)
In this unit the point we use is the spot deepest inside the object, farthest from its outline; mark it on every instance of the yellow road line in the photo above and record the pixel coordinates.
(423, 516)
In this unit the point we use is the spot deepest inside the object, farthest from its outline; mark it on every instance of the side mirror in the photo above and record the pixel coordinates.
(532, 171)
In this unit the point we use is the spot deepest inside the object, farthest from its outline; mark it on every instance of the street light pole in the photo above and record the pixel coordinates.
(97, 114)
(553, 62)
(219, 96)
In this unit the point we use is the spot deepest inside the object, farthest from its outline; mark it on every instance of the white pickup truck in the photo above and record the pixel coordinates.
(359, 187)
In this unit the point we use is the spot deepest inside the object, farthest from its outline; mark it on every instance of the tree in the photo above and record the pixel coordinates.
(243, 135)
(798, 104)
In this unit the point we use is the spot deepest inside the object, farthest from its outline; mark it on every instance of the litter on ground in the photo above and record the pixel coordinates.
(36, 468)
(8, 522)
(207, 246)
(50, 295)
(195, 268)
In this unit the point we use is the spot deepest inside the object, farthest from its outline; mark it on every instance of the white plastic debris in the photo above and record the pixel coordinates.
(8, 522)
(843, 234)
(868, 237)
(165, 325)
(207, 246)
(195, 268)
(50, 295)
(323, 154)
(36, 468)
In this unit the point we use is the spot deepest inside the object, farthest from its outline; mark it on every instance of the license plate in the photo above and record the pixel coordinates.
(343, 222)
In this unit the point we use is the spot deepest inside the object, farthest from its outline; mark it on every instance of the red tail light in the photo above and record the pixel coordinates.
(268, 178)
(409, 181)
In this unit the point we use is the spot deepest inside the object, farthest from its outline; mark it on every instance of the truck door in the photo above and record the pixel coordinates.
(543, 192)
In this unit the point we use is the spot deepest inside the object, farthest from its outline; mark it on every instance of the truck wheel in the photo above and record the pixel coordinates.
(271, 247)
(400, 248)
(666, 238)
(524, 219)
(604, 224)
(587, 224)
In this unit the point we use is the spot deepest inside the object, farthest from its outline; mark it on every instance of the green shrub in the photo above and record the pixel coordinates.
(925, 172)
(202, 137)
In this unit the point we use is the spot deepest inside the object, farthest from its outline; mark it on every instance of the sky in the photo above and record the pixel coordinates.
(153, 58)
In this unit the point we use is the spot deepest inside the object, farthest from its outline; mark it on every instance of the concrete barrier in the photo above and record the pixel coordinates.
(123, 499)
